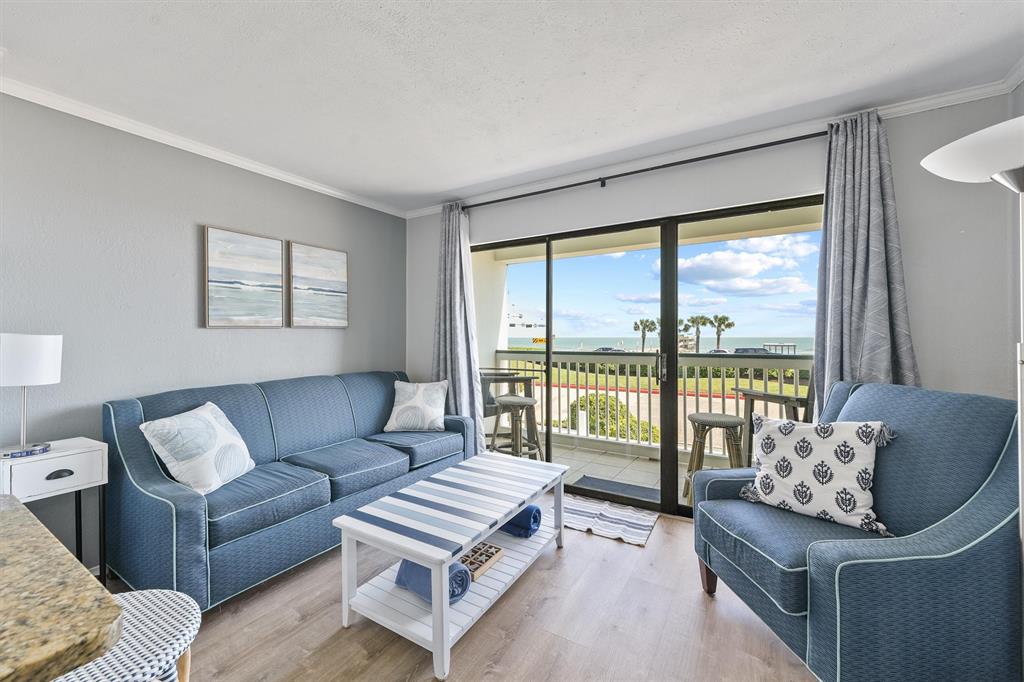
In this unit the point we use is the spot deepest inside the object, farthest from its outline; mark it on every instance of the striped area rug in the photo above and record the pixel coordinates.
(608, 520)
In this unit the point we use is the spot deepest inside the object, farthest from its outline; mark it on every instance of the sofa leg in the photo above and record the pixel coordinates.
(708, 579)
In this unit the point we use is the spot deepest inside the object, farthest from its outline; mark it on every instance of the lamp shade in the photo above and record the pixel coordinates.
(30, 359)
(981, 155)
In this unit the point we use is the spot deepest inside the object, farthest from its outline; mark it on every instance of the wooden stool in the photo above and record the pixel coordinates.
(515, 405)
(703, 422)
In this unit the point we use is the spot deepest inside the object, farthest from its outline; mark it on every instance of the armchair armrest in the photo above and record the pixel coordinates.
(467, 428)
(156, 527)
(720, 484)
(716, 484)
(942, 603)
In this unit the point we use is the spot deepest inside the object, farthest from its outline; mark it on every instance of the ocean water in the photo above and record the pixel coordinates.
(320, 308)
(804, 344)
(245, 304)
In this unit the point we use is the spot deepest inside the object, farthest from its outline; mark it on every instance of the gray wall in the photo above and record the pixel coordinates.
(960, 241)
(960, 255)
(100, 240)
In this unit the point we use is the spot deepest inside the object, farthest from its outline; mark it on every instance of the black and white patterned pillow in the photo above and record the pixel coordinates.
(820, 470)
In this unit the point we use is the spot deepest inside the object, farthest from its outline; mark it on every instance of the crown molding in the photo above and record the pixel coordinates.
(74, 107)
(46, 98)
(1014, 77)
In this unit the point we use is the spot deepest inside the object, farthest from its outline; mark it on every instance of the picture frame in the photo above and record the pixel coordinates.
(243, 279)
(317, 287)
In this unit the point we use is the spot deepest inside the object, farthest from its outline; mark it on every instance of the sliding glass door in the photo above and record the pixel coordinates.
(606, 363)
(590, 344)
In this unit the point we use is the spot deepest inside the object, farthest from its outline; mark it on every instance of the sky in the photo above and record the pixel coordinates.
(765, 284)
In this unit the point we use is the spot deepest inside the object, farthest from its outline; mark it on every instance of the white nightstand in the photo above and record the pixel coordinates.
(71, 465)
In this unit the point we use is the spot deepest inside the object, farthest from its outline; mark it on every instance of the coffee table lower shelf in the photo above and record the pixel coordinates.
(406, 614)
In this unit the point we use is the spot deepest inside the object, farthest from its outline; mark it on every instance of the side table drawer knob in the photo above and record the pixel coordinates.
(59, 473)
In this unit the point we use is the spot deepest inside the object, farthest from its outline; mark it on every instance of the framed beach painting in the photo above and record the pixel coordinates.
(244, 279)
(319, 286)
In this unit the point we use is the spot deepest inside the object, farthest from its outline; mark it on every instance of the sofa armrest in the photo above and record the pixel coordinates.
(156, 527)
(720, 484)
(942, 603)
(467, 428)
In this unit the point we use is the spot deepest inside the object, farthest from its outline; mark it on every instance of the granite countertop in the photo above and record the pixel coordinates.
(54, 615)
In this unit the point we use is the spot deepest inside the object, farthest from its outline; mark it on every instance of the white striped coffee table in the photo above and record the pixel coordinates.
(432, 523)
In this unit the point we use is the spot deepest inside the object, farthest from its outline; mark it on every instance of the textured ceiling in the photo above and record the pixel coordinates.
(410, 103)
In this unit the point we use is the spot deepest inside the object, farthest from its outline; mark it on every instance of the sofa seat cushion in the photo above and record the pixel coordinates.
(422, 447)
(353, 465)
(267, 495)
(769, 545)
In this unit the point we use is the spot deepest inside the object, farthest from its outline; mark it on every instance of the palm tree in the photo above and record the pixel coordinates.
(721, 323)
(644, 326)
(698, 321)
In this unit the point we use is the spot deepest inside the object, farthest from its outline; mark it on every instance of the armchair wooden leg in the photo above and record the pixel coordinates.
(708, 579)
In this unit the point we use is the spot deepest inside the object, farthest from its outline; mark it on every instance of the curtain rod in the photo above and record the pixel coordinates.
(673, 164)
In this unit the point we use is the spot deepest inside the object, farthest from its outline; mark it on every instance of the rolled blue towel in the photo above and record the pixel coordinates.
(416, 579)
(525, 523)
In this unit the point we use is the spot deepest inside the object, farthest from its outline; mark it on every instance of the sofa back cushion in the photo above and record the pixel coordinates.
(308, 413)
(946, 445)
(243, 404)
(373, 397)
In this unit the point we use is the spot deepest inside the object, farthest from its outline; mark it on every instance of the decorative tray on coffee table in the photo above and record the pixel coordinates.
(480, 558)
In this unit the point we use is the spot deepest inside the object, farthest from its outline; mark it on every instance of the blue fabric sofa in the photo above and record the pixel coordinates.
(319, 451)
(941, 601)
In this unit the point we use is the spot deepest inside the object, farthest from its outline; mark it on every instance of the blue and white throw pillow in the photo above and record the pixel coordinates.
(820, 470)
(201, 448)
(418, 407)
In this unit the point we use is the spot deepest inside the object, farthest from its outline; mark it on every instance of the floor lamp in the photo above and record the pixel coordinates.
(993, 154)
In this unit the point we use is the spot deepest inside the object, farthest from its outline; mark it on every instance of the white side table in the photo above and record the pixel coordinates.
(71, 465)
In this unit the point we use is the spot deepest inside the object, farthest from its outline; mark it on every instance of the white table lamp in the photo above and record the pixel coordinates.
(994, 154)
(29, 360)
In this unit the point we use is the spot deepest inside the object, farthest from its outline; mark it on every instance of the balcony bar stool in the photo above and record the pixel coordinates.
(515, 406)
(703, 422)
(157, 630)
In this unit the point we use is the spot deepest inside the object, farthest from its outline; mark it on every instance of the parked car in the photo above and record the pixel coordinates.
(717, 351)
(752, 351)
(608, 349)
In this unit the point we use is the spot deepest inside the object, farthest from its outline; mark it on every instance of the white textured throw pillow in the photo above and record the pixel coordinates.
(418, 407)
(201, 448)
(820, 470)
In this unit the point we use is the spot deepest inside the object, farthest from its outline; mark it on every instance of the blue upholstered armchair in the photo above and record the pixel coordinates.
(939, 601)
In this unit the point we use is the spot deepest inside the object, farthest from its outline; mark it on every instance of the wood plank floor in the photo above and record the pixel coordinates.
(598, 609)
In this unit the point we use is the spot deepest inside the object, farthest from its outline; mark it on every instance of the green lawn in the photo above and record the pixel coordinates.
(600, 381)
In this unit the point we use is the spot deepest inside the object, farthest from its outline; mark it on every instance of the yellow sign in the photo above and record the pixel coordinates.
(539, 339)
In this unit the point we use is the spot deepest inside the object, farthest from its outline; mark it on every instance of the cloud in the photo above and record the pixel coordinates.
(691, 301)
(639, 298)
(804, 308)
(719, 265)
(582, 320)
(782, 245)
(617, 254)
(767, 286)
(635, 310)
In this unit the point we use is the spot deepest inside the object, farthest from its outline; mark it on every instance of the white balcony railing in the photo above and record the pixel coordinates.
(614, 398)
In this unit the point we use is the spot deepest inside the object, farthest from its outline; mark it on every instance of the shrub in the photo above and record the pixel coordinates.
(606, 417)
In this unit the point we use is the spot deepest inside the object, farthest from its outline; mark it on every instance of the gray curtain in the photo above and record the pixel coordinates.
(455, 351)
(863, 330)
